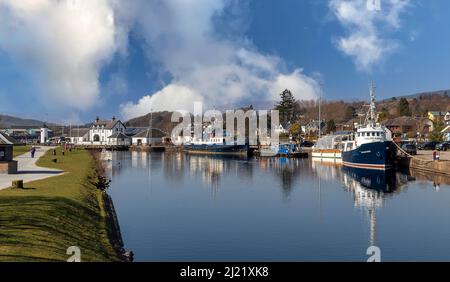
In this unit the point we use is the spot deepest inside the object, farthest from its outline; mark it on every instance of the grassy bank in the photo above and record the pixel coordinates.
(40, 222)
(20, 150)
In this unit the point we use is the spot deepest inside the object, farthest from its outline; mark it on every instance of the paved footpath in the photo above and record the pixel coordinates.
(28, 170)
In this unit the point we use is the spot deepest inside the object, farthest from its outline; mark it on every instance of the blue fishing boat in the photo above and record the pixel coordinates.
(371, 146)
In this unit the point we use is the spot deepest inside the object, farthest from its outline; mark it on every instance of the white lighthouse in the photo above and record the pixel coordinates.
(44, 134)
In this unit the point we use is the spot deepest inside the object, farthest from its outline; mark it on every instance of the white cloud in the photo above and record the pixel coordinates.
(171, 98)
(365, 41)
(181, 36)
(62, 44)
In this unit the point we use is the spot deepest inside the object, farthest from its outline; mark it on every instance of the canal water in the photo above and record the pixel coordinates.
(179, 207)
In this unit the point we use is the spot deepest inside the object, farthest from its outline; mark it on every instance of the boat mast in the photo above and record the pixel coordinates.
(373, 109)
(320, 122)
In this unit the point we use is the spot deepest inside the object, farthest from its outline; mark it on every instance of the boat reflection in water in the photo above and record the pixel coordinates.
(370, 189)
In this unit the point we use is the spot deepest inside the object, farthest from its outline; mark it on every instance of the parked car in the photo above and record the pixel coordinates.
(410, 148)
(428, 146)
(307, 144)
(444, 146)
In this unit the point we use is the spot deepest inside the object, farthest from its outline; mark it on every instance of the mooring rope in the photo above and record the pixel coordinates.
(411, 156)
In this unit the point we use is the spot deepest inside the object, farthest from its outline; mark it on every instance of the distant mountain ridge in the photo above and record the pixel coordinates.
(10, 121)
(418, 95)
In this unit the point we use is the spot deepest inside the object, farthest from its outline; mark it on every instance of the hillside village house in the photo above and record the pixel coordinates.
(446, 133)
(313, 127)
(447, 118)
(436, 115)
(408, 127)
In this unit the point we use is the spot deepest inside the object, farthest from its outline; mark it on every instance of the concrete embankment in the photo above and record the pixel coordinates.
(439, 167)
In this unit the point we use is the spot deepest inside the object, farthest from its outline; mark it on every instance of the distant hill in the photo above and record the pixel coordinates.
(160, 120)
(424, 94)
(10, 121)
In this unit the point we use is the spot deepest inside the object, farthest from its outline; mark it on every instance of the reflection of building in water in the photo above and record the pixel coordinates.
(174, 166)
(370, 189)
(111, 163)
(436, 179)
(286, 169)
(209, 168)
(139, 159)
(327, 169)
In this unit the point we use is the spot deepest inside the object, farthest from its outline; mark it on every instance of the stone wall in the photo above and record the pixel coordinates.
(442, 167)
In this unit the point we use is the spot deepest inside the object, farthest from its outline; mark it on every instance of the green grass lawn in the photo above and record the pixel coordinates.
(40, 222)
(19, 150)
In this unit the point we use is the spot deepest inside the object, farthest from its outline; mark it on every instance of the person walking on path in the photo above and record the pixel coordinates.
(33, 151)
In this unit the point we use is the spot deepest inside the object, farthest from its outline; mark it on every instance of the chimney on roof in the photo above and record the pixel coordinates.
(97, 119)
(113, 118)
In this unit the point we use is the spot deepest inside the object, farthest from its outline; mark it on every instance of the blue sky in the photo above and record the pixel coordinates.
(132, 56)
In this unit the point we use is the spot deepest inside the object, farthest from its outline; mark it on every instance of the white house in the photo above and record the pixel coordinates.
(119, 139)
(148, 137)
(78, 136)
(447, 118)
(106, 132)
(446, 132)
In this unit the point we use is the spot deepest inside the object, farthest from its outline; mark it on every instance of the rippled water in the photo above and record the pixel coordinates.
(178, 207)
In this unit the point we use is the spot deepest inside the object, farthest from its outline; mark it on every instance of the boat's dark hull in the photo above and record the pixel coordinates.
(377, 155)
(217, 149)
(379, 180)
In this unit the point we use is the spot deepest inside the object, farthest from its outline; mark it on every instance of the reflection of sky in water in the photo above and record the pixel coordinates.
(174, 207)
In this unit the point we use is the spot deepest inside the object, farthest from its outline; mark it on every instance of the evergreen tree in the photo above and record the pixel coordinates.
(403, 107)
(287, 107)
(382, 116)
(350, 112)
(331, 126)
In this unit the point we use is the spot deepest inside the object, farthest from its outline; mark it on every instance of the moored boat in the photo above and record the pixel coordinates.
(216, 146)
(330, 146)
(372, 146)
(269, 151)
(220, 149)
(327, 153)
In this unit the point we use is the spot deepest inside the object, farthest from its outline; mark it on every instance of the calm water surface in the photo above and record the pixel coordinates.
(177, 207)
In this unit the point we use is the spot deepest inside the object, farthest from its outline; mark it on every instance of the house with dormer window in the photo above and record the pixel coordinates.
(108, 132)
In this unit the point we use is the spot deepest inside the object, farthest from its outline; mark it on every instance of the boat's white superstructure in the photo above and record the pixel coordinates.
(371, 146)
(329, 147)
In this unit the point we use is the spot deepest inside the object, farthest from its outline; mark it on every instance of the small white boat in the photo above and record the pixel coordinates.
(330, 146)
(327, 153)
(270, 151)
